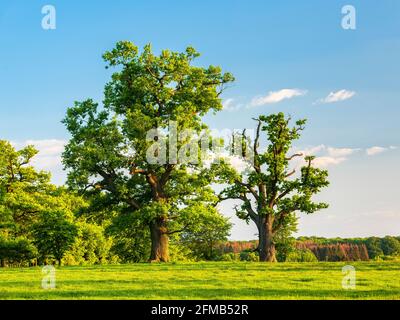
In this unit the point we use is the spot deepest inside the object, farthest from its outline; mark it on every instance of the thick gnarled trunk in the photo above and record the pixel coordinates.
(266, 243)
(159, 241)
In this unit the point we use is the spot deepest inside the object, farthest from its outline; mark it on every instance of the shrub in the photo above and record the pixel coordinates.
(229, 257)
(301, 255)
(91, 246)
(374, 247)
(16, 251)
(130, 239)
(390, 246)
(54, 234)
(249, 256)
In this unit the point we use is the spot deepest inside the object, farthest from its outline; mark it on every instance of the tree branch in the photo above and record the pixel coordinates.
(294, 156)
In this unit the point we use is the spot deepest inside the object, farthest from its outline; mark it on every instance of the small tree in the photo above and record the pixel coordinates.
(390, 246)
(374, 247)
(18, 251)
(53, 235)
(206, 235)
(269, 193)
(91, 246)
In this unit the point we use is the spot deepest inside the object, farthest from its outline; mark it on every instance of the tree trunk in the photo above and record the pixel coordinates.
(159, 241)
(266, 244)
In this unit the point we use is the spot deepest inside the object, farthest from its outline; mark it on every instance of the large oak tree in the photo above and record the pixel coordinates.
(270, 192)
(108, 154)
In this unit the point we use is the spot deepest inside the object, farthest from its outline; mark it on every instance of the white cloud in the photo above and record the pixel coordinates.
(337, 96)
(230, 105)
(323, 162)
(49, 156)
(277, 96)
(49, 147)
(341, 152)
(327, 156)
(375, 150)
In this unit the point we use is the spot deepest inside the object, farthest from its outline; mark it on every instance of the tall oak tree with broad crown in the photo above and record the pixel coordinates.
(108, 151)
(270, 193)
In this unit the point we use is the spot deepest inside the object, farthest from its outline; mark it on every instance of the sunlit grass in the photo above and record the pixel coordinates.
(212, 280)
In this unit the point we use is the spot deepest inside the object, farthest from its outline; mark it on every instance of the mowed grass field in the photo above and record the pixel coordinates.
(213, 280)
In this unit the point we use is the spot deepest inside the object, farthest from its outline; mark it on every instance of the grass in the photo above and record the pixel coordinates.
(208, 280)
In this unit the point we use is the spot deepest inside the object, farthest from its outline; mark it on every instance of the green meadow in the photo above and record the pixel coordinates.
(208, 280)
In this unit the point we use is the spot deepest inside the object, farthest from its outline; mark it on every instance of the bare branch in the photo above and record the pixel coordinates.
(248, 187)
(256, 165)
(293, 156)
(290, 173)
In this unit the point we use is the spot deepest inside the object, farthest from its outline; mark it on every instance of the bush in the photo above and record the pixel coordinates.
(91, 246)
(374, 247)
(130, 239)
(249, 256)
(229, 257)
(53, 234)
(301, 255)
(390, 246)
(17, 251)
(179, 252)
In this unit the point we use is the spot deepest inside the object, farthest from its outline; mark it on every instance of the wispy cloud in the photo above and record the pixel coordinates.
(231, 105)
(337, 96)
(328, 156)
(276, 96)
(324, 162)
(340, 152)
(377, 150)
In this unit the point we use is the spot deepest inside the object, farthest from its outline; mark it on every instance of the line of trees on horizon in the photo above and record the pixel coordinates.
(310, 249)
(122, 203)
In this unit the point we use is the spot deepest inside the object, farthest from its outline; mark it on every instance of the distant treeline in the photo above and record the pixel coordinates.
(325, 249)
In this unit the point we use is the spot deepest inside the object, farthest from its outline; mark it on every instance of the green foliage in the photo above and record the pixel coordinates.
(284, 246)
(269, 191)
(91, 246)
(283, 239)
(130, 238)
(250, 256)
(53, 235)
(179, 252)
(26, 196)
(207, 230)
(23, 191)
(16, 251)
(301, 255)
(374, 247)
(230, 256)
(390, 246)
(108, 154)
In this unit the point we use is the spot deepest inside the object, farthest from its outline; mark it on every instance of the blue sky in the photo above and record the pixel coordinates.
(270, 46)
